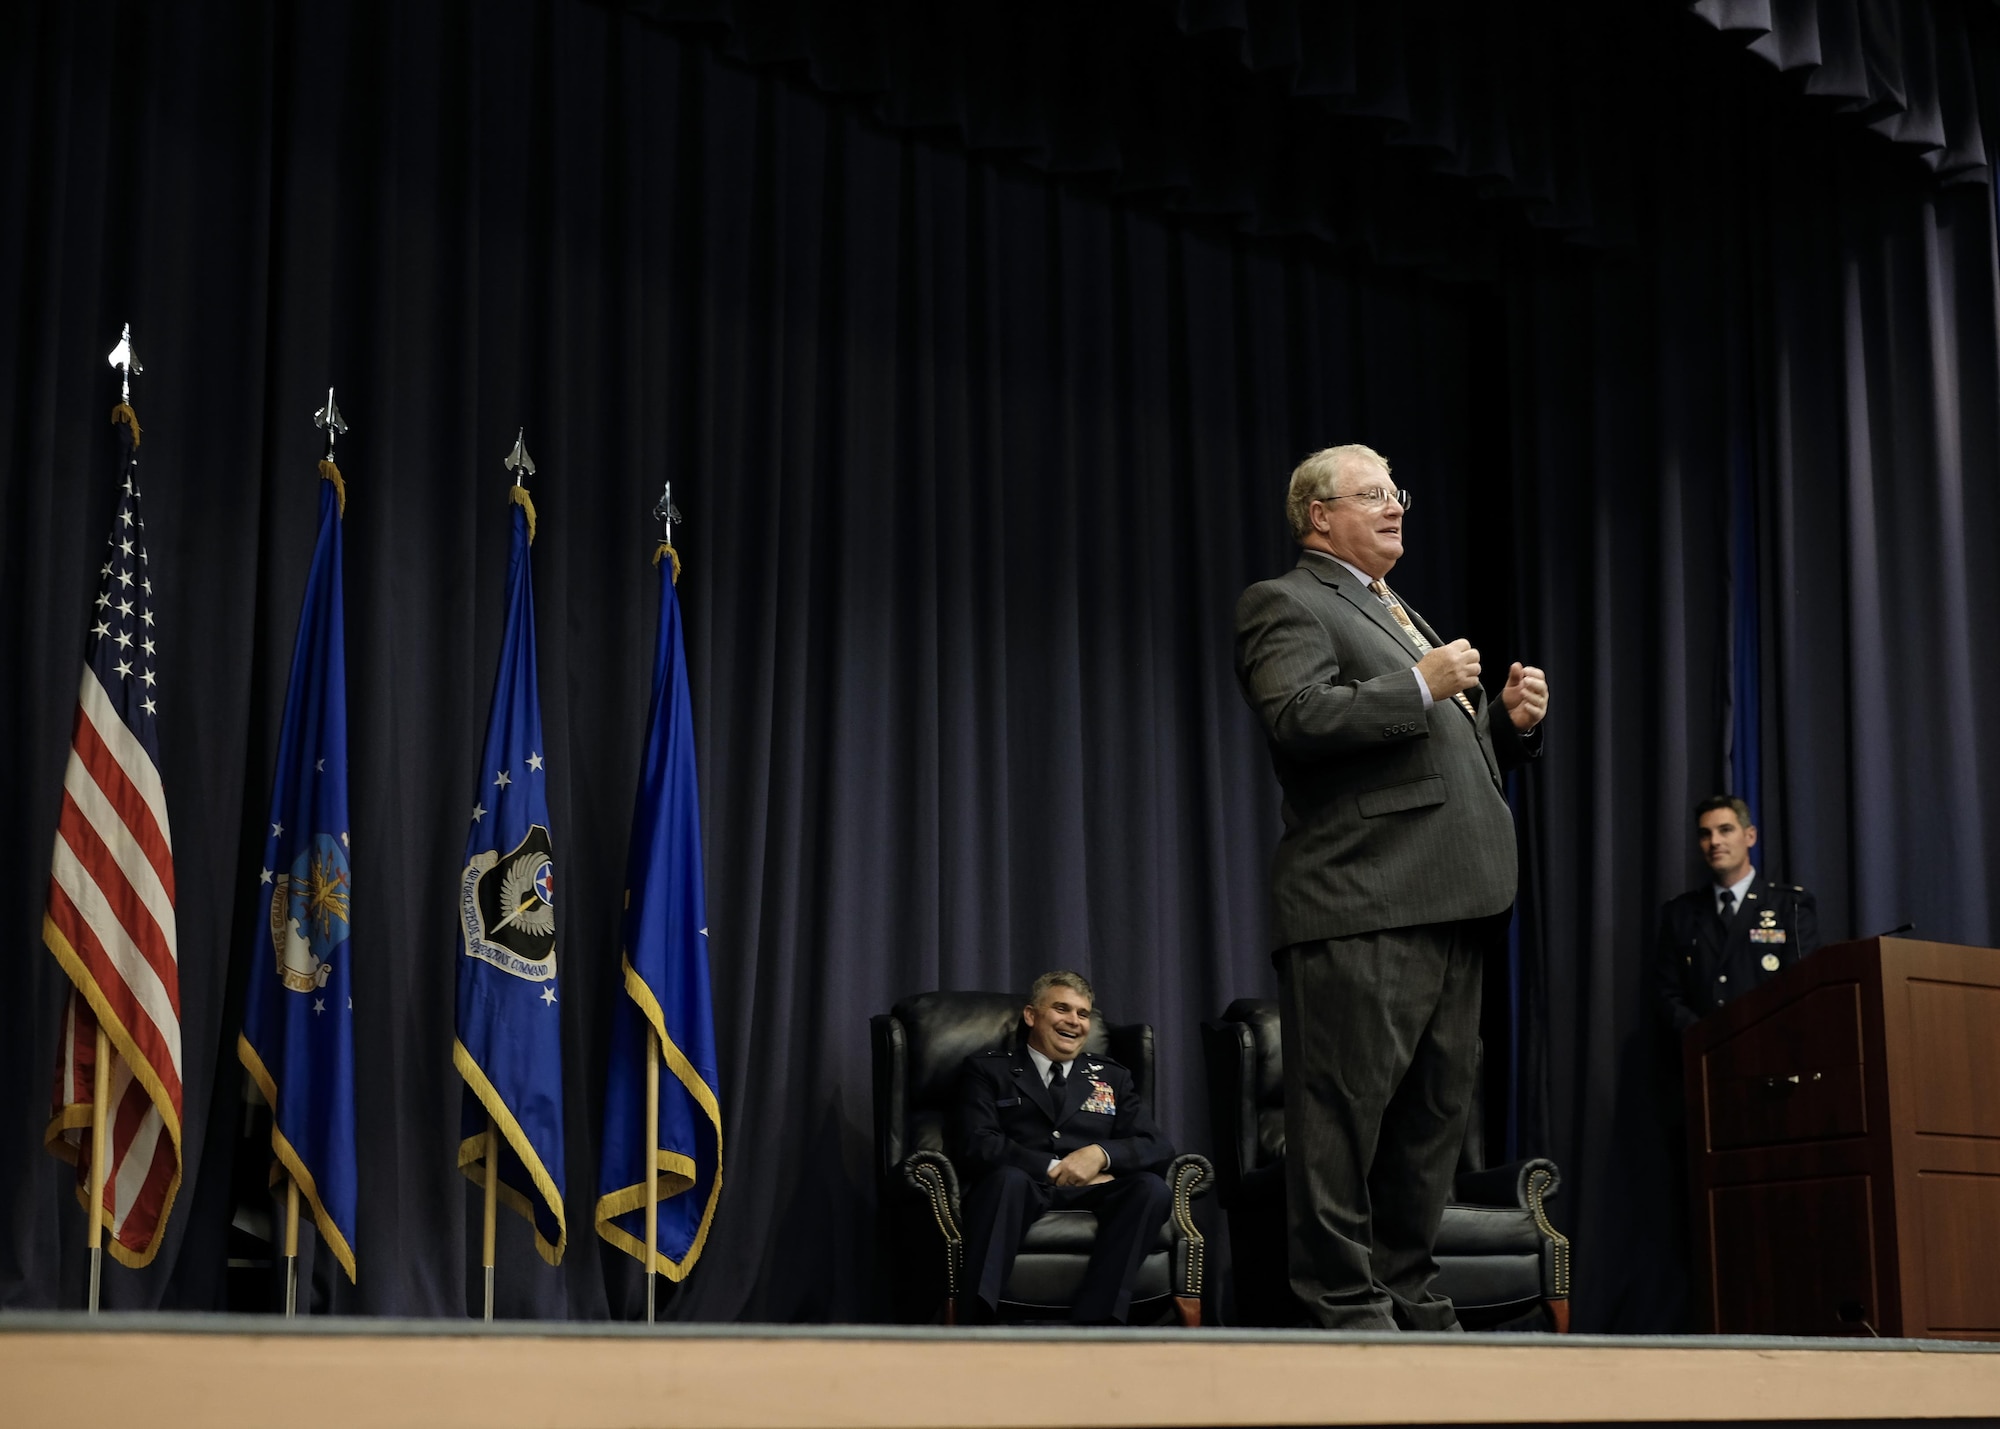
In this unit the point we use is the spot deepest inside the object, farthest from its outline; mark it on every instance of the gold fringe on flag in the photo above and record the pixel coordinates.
(329, 472)
(519, 496)
(666, 551)
(123, 413)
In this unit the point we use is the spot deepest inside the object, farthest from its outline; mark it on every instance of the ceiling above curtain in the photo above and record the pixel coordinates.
(1423, 134)
(1916, 72)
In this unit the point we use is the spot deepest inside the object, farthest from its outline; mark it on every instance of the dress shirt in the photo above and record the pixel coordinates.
(1738, 888)
(1044, 1065)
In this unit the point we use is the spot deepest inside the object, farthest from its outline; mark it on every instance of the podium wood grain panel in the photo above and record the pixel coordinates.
(1844, 1146)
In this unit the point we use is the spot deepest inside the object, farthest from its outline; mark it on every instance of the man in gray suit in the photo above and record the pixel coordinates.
(1394, 874)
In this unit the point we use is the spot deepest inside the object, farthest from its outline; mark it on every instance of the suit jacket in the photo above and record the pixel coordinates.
(1394, 815)
(1008, 1117)
(1698, 965)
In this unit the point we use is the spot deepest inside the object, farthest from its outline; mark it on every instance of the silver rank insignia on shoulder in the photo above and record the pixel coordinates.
(1770, 962)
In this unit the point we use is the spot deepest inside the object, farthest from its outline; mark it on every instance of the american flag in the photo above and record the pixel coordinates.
(110, 915)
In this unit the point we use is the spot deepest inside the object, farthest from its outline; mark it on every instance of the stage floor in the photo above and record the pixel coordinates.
(216, 1371)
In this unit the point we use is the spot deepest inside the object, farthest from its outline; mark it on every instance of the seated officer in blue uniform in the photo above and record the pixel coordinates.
(1718, 942)
(1048, 1126)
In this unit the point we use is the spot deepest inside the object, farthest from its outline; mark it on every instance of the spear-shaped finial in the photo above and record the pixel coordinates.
(124, 358)
(667, 514)
(518, 461)
(328, 418)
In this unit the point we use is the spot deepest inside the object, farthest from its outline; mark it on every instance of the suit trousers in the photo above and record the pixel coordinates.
(1381, 1037)
(1003, 1203)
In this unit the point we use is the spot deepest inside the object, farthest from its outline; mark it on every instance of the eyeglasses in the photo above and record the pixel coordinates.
(1373, 499)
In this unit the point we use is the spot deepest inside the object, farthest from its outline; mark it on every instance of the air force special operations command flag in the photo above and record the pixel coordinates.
(666, 993)
(509, 1044)
(298, 1018)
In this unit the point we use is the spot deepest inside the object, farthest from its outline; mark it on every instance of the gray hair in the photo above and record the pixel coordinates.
(1317, 478)
(1076, 982)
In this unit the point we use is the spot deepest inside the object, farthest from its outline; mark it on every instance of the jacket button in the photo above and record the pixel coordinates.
(1722, 977)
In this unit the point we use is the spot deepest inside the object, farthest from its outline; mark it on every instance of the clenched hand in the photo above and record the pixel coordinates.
(1450, 669)
(1526, 697)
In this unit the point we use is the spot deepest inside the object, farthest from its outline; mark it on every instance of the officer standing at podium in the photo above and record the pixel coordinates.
(1718, 942)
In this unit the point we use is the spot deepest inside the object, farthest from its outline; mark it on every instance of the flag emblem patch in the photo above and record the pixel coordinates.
(507, 908)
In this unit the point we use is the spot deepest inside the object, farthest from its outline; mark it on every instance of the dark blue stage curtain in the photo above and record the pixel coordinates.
(978, 367)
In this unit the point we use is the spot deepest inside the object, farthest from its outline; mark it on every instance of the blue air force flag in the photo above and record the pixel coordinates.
(509, 1044)
(298, 1019)
(666, 994)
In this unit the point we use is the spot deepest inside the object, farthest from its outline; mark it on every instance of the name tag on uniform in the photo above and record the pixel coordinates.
(1004, 1104)
(1102, 1100)
(1767, 935)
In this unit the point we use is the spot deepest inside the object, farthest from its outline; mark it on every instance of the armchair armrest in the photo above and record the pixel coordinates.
(1542, 1179)
(1506, 1186)
(1189, 1176)
(931, 1175)
(1527, 1185)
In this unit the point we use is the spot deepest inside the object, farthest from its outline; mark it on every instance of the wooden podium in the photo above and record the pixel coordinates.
(1844, 1146)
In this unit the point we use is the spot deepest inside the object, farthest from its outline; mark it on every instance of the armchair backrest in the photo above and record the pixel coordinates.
(1246, 1093)
(1246, 1089)
(920, 1046)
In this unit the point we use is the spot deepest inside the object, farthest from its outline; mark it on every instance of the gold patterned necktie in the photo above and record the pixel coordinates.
(1383, 593)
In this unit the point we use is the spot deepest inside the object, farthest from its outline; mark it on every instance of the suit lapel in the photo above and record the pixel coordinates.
(1714, 933)
(1337, 578)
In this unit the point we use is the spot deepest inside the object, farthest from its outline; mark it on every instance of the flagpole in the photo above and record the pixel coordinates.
(492, 1205)
(652, 1164)
(666, 513)
(523, 466)
(100, 1153)
(127, 362)
(291, 1245)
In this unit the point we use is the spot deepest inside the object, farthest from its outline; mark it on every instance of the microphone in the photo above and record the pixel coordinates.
(1899, 928)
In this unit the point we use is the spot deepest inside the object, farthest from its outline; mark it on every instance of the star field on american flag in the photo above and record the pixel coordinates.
(121, 640)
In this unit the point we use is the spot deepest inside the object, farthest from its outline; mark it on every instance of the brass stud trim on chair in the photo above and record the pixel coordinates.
(931, 1181)
(1539, 1181)
(1191, 1174)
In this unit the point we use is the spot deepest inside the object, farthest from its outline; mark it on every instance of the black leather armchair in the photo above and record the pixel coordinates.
(919, 1047)
(1498, 1255)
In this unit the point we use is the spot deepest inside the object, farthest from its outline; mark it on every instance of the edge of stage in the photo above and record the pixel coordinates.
(225, 1370)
